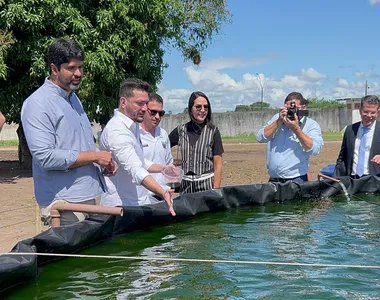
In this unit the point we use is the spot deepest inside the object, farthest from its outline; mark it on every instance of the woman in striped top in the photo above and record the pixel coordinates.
(200, 145)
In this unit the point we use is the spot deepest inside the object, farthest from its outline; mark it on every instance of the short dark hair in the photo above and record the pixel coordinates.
(371, 100)
(130, 85)
(296, 96)
(61, 51)
(156, 97)
(192, 98)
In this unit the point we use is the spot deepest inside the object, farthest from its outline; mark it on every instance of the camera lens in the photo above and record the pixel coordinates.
(291, 112)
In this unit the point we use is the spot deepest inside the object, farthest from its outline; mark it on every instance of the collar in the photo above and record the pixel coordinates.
(195, 127)
(126, 120)
(63, 93)
(157, 132)
(370, 127)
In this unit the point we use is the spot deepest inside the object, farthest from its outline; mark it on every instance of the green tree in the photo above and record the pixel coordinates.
(242, 107)
(121, 38)
(259, 105)
(324, 103)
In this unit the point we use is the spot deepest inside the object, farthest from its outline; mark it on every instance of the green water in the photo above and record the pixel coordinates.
(323, 231)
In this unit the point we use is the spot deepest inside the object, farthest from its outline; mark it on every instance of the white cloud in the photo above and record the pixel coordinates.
(209, 78)
(362, 74)
(226, 90)
(312, 74)
(373, 2)
(342, 83)
(222, 63)
(175, 99)
(294, 81)
(345, 89)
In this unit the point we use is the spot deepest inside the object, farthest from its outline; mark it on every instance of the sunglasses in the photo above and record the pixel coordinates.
(199, 106)
(153, 112)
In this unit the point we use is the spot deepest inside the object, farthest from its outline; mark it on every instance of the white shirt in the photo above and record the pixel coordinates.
(121, 137)
(157, 150)
(368, 145)
(99, 134)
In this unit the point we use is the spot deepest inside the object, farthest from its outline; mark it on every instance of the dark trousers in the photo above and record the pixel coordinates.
(301, 178)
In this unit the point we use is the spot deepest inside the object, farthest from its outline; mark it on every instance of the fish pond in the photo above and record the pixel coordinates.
(313, 236)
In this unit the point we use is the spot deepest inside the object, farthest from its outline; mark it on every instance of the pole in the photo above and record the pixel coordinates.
(262, 91)
(320, 175)
(86, 208)
(366, 88)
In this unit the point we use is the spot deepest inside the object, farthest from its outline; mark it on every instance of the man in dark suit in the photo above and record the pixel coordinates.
(360, 151)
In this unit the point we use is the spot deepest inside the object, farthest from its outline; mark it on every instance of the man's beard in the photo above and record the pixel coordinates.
(74, 87)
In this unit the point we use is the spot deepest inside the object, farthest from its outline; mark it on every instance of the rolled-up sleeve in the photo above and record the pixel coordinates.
(315, 133)
(40, 135)
(148, 163)
(122, 143)
(260, 137)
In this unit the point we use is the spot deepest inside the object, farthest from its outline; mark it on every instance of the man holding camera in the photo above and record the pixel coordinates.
(291, 137)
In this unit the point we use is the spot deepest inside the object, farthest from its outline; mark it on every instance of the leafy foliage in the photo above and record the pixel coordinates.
(121, 38)
(252, 107)
(242, 107)
(313, 103)
(324, 103)
(259, 104)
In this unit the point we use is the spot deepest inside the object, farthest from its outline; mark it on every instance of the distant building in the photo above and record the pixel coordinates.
(353, 106)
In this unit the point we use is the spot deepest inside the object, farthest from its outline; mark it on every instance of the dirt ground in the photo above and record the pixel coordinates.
(243, 163)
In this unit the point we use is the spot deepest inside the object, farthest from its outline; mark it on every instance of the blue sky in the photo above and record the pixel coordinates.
(323, 49)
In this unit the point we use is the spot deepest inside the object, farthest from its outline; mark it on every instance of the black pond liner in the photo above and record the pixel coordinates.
(73, 238)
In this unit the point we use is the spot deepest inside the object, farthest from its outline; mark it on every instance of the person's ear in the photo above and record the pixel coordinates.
(54, 69)
(123, 102)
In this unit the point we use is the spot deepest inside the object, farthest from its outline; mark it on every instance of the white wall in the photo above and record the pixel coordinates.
(232, 123)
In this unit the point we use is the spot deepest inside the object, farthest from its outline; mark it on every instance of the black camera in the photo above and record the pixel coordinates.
(293, 110)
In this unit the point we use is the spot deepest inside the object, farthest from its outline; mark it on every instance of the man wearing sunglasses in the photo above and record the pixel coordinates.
(155, 140)
(291, 138)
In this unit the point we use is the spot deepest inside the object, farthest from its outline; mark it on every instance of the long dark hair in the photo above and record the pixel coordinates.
(193, 97)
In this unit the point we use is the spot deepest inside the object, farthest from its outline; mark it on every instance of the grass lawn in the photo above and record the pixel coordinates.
(251, 138)
(8, 143)
(241, 138)
(332, 136)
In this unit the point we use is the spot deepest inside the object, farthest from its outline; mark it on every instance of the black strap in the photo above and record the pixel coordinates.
(302, 123)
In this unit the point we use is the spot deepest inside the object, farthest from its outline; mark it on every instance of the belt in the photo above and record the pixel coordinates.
(197, 177)
(356, 176)
(283, 180)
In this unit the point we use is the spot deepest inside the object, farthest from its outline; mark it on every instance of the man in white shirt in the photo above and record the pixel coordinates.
(155, 139)
(360, 151)
(121, 136)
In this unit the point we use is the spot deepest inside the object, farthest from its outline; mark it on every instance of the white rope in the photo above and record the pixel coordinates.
(193, 260)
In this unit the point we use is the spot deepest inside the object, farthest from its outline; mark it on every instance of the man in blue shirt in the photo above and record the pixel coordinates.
(290, 142)
(66, 163)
